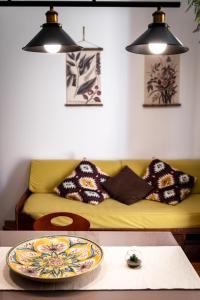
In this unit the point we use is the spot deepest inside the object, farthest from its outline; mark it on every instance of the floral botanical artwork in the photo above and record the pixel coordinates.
(54, 257)
(162, 76)
(83, 83)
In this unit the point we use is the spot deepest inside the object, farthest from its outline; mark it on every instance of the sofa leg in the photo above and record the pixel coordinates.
(9, 225)
(25, 222)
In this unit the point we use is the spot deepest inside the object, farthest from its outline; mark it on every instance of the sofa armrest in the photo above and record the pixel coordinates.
(19, 207)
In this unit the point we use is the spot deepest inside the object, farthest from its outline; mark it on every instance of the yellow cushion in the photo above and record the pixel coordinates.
(189, 166)
(113, 214)
(138, 166)
(46, 174)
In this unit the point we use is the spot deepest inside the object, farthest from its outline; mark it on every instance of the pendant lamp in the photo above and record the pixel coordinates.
(52, 38)
(157, 39)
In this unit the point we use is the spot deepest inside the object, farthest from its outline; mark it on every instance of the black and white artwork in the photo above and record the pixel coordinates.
(83, 84)
(162, 80)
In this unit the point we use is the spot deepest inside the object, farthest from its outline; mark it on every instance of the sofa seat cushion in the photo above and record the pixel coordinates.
(113, 214)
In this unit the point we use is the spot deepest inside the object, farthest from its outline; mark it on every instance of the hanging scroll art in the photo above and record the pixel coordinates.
(83, 70)
(162, 80)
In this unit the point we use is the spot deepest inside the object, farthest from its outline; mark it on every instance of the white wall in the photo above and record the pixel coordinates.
(34, 123)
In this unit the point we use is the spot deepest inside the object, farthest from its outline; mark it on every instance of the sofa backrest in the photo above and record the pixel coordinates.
(46, 174)
(189, 166)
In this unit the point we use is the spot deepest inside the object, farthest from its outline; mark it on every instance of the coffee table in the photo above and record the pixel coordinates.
(108, 238)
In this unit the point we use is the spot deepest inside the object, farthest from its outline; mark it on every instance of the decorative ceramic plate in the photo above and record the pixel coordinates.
(52, 258)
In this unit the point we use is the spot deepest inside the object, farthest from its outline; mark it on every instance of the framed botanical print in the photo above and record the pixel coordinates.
(83, 77)
(162, 80)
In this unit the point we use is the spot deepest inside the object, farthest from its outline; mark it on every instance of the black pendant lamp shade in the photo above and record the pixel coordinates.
(157, 39)
(52, 38)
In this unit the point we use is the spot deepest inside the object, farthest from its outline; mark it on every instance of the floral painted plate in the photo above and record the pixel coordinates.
(53, 258)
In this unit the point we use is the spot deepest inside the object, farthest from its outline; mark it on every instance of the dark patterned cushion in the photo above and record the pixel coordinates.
(127, 187)
(84, 184)
(171, 186)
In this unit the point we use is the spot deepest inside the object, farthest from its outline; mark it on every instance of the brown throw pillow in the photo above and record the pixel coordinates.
(127, 187)
(171, 186)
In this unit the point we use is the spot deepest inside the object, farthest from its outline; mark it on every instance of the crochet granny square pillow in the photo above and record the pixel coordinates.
(84, 184)
(170, 185)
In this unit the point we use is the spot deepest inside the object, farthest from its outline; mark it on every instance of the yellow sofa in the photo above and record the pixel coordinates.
(46, 174)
